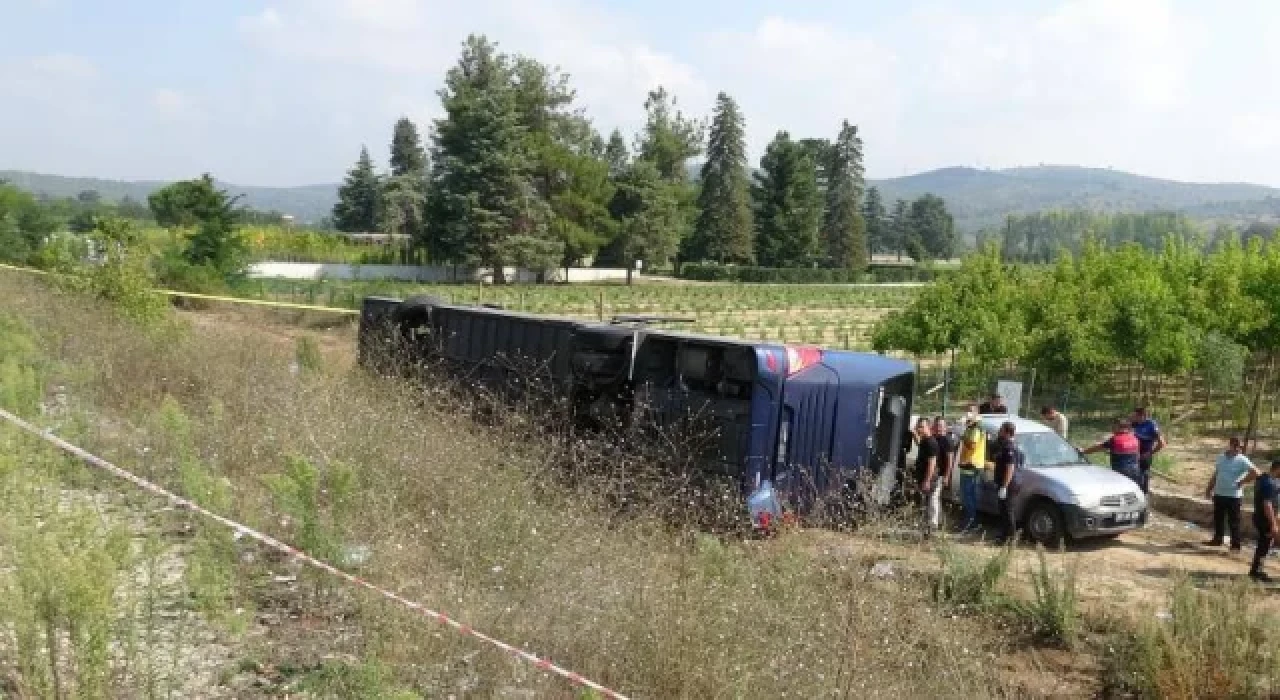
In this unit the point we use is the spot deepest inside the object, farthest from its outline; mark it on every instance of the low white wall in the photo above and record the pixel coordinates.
(421, 273)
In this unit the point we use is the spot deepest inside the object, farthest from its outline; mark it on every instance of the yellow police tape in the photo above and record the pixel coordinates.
(210, 297)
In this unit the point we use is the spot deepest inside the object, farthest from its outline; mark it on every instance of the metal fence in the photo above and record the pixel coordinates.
(1185, 404)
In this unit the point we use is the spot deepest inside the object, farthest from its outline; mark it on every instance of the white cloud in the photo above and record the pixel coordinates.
(63, 65)
(805, 78)
(172, 104)
(393, 43)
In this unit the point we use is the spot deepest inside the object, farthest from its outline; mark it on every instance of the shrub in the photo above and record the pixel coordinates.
(1052, 612)
(966, 580)
(1211, 644)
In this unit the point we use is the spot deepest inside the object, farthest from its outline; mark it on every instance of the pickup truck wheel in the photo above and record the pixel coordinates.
(1045, 524)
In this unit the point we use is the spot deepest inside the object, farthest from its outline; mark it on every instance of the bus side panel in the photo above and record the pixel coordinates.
(851, 444)
(766, 405)
(809, 403)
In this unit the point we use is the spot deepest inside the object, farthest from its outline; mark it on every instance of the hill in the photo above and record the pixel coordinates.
(979, 198)
(307, 203)
(982, 198)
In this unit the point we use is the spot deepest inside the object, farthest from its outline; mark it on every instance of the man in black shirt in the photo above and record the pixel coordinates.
(942, 476)
(1005, 456)
(993, 405)
(926, 468)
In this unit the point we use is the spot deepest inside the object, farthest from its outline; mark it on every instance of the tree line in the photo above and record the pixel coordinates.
(514, 173)
(1171, 311)
(1040, 237)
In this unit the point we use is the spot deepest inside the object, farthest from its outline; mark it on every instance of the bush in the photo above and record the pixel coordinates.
(967, 581)
(769, 275)
(1053, 611)
(1211, 644)
(710, 272)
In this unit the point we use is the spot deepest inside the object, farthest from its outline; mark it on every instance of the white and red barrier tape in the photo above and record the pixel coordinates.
(180, 502)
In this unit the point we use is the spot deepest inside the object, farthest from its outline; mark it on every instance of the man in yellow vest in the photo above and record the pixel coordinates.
(973, 448)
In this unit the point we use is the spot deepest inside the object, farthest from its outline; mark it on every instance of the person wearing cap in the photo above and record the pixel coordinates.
(1150, 442)
(993, 405)
(1231, 470)
(1266, 517)
(1124, 450)
(973, 444)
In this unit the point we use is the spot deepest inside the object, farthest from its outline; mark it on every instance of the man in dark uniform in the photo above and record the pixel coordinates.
(1266, 518)
(1150, 441)
(1005, 457)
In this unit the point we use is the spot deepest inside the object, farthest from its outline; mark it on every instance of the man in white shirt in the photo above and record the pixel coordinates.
(1230, 472)
(1055, 420)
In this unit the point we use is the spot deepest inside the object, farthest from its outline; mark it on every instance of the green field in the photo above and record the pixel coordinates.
(832, 315)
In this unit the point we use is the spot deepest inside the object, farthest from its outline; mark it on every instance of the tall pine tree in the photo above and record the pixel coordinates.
(616, 154)
(788, 205)
(900, 227)
(357, 207)
(407, 154)
(722, 231)
(670, 139)
(404, 192)
(877, 221)
(933, 230)
(481, 191)
(844, 229)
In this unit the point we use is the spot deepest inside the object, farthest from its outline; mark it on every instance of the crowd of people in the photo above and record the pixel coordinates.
(942, 453)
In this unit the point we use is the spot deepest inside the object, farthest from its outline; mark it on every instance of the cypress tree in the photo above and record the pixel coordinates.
(844, 229)
(877, 221)
(788, 205)
(481, 192)
(357, 207)
(722, 231)
(407, 154)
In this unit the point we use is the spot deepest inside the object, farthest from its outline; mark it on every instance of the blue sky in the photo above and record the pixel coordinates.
(284, 92)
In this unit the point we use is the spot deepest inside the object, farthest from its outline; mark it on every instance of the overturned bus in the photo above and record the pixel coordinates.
(793, 425)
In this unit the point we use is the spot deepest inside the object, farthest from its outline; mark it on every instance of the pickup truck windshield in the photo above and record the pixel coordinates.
(1048, 450)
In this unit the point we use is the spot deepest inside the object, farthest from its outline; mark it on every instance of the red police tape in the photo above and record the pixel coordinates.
(178, 501)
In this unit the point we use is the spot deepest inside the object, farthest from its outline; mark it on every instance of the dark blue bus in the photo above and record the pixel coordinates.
(793, 425)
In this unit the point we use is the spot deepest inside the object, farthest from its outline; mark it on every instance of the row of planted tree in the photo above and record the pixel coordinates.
(515, 173)
(1175, 312)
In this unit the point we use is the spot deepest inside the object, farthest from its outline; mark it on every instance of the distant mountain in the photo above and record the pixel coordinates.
(306, 203)
(982, 198)
(978, 198)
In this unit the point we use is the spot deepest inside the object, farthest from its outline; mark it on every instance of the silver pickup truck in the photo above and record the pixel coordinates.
(1058, 494)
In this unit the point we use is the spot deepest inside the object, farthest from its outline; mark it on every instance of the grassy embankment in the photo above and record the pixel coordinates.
(402, 484)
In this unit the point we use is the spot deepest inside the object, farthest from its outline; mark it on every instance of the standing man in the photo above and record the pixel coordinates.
(993, 405)
(927, 472)
(1150, 441)
(1055, 420)
(946, 459)
(1230, 472)
(1124, 450)
(1266, 518)
(1006, 461)
(973, 444)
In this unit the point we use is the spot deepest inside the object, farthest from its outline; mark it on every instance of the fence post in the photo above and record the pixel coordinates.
(600, 306)
(1031, 392)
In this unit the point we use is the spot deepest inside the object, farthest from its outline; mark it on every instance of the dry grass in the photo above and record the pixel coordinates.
(483, 522)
